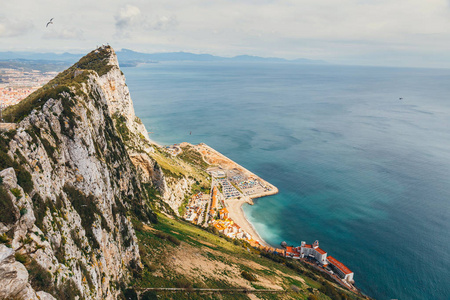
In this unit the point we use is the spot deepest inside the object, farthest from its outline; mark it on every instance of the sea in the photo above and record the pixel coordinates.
(360, 155)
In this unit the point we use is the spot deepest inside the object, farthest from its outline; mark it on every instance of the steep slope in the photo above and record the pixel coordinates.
(77, 187)
(78, 180)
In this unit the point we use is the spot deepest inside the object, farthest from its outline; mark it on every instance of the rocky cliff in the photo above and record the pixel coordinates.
(72, 182)
(79, 179)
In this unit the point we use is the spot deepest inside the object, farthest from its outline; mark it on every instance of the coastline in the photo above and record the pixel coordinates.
(238, 216)
(234, 207)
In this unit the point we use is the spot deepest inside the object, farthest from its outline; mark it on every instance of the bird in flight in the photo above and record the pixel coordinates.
(49, 22)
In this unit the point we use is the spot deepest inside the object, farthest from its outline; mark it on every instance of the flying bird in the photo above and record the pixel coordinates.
(49, 22)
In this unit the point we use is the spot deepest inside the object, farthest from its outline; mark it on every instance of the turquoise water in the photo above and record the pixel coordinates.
(365, 173)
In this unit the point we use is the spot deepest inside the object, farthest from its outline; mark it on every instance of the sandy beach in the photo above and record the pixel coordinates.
(236, 213)
(234, 207)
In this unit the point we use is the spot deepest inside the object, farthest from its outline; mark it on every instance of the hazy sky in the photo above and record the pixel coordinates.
(377, 32)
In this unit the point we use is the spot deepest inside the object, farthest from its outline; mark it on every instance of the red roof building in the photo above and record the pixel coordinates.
(341, 269)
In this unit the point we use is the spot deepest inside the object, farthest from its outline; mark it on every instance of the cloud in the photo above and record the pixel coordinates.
(337, 31)
(14, 28)
(64, 34)
(127, 18)
(163, 23)
(130, 19)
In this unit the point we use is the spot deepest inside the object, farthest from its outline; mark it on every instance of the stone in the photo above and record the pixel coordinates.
(9, 178)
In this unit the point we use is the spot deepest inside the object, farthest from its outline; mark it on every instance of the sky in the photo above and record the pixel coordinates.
(411, 33)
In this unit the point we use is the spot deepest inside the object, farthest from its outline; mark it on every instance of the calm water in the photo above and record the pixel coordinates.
(366, 174)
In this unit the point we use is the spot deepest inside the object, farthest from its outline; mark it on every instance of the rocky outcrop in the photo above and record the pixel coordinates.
(74, 172)
(14, 279)
(77, 189)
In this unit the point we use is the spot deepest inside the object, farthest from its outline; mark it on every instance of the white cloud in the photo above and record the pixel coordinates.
(338, 31)
(64, 34)
(127, 17)
(9, 28)
(131, 22)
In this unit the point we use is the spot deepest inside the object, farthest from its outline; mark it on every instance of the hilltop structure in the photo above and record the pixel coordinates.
(320, 256)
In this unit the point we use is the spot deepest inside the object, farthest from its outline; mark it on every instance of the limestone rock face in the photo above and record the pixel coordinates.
(14, 278)
(178, 190)
(74, 171)
(9, 178)
(69, 216)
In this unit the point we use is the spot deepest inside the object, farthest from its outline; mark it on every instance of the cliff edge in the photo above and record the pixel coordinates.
(69, 189)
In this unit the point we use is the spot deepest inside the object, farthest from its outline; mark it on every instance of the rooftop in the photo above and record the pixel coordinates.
(339, 265)
(321, 251)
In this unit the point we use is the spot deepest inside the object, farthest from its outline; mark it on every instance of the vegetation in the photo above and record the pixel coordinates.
(96, 60)
(86, 208)
(121, 127)
(68, 82)
(21, 257)
(248, 276)
(165, 236)
(158, 251)
(193, 157)
(23, 176)
(40, 278)
(40, 208)
(177, 168)
(16, 192)
(6, 205)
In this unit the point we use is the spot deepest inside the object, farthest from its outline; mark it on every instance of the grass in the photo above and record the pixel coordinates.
(155, 245)
(178, 168)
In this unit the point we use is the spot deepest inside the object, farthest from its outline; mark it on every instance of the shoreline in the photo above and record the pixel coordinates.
(237, 214)
(234, 206)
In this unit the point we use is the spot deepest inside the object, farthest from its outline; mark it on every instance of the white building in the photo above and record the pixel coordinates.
(341, 269)
(306, 250)
(315, 251)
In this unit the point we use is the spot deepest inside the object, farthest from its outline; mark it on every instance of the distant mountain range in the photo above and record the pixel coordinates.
(130, 58)
(130, 55)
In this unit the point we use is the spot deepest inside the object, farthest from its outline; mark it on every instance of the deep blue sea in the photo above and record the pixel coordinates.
(366, 174)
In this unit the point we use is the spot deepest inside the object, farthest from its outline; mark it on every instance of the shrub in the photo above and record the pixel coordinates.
(86, 208)
(39, 277)
(21, 257)
(183, 283)
(329, 290)
(130, 294)
(149, 295)
(16, 192)
(121, 126)
(166, 236)
(24, 179)
(67, 291)
(40, 209)
(6, 205)
(4, 238)
(248, 276)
